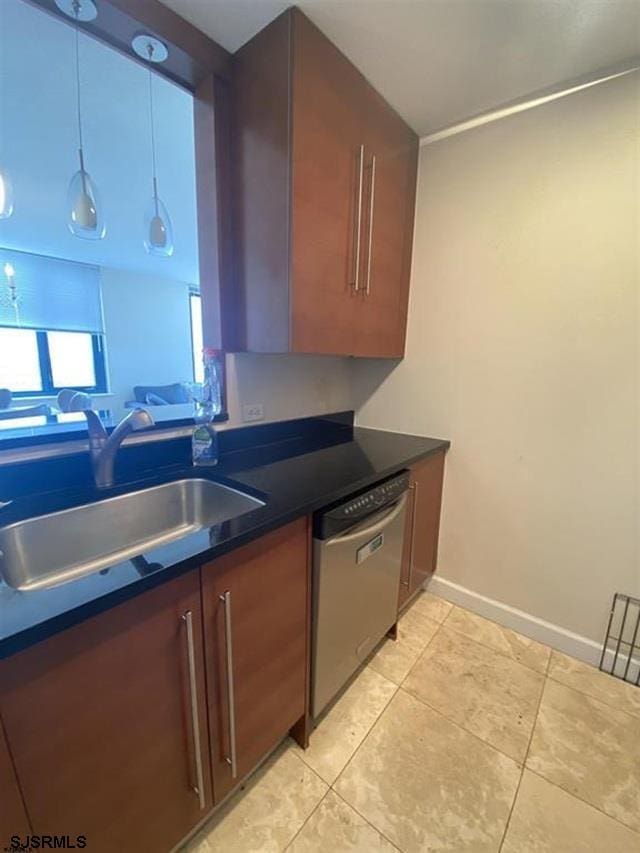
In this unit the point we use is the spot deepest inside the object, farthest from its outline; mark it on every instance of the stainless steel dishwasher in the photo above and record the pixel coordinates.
(357, 553)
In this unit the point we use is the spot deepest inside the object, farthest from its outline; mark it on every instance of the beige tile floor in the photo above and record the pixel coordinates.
(459, 736)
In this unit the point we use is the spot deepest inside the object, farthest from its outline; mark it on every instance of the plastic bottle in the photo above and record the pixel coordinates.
(204, 443)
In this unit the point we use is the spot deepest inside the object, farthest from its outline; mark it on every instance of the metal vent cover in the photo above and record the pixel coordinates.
(621, 650)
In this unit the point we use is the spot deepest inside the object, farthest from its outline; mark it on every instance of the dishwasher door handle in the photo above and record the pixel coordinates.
(376, 527)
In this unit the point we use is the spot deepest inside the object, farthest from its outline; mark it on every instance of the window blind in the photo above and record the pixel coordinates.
(51, 293)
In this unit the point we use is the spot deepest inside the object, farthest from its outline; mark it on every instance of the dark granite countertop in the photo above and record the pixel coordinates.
(294, 470)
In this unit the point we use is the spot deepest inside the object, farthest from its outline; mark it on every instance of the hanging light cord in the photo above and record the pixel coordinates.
(76, 9)
(83, 174)
(153, 135)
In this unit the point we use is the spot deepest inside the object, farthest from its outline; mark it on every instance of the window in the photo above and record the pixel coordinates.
(41, 363)
(51, 328)
(73, 363)
(20, 361)
(195, 305)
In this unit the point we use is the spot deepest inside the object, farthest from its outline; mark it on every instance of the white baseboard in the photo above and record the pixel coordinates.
(524, 623)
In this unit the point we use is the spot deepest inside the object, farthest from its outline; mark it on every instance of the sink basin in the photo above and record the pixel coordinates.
(51, 549)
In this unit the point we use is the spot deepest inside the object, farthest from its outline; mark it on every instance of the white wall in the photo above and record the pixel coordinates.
(523, 350)
(147, 330)
(288, 386)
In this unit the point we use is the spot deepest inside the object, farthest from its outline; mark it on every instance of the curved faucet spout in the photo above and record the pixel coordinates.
(104, 448)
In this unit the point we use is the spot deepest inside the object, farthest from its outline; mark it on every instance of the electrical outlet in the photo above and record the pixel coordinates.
(253, 412)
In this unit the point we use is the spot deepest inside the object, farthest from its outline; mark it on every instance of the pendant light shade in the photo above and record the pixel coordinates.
(83, 204)
(84, 210)
(6, 195)
(158, 230)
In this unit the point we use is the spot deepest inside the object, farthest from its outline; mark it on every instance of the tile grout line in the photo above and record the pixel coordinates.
(308, 817)
(356, 751)
(548, 781)
(546, 678)
(460, 726)
(332, 787)
(440, 714)
(583, 801)
(375, 723)
(522, 765)
(501, 653)
(398, 687)
(367, 821)
(495, 651)
(494, 622)
(591, 696)
(422, 652)
(524, 760)
(551, 649)
(301, 752)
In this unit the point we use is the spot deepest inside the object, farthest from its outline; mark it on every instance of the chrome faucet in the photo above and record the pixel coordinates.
(104, 447)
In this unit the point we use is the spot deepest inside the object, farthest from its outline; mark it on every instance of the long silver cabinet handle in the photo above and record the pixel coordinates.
(371, 209)
(356, 271)
(414, 488)
(195, 722)
(231, 759)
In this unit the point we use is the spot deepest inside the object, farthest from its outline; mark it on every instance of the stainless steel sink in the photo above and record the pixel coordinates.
(51, 549)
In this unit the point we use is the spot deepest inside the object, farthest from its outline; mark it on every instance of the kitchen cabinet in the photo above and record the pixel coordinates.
(107, 723)
(391, 157)
(13, 818)
(256, 606)
(326, 179)
(422, 526)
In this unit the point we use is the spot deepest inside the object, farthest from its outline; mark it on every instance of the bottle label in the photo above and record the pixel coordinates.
(204, 446)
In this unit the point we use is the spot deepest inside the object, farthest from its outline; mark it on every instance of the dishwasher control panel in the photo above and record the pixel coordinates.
(355, 509)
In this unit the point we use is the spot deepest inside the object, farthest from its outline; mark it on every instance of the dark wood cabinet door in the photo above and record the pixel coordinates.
(427, 479)
(256, 648)
(13, 818)
(422, 526)
(404, 589)
(327, 183)
(308, 126)
(99, 724)
(262, 167)
(391, 167)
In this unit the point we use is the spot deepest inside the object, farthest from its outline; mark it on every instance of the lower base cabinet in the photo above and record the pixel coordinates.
(13, 817)
(256, 605)
(422, 526)
(129, 727)
(99, 722)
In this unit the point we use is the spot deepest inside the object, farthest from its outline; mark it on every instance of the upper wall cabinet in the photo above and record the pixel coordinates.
(326, 192)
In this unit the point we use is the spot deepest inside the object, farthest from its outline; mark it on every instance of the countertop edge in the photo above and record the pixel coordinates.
(30, 636)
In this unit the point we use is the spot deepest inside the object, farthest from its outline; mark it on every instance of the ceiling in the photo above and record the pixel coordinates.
(40, 153)
(439, 62)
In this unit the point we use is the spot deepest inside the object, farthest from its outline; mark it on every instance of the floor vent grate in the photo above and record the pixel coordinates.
(621, 650)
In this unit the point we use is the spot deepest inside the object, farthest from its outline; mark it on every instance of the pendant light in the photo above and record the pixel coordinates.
(6, 195)
(83, 203)
(158, 230)
(9, 273)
